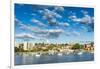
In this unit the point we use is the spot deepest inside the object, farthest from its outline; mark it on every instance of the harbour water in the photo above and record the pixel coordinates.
(30, 58)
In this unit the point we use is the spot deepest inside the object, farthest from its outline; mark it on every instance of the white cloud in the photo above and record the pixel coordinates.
(84, 12)
(50, 14)
(26, 27)
(55, 31)
(86, 19)
(41, 31)
(72, 17)
(52, 22)
(25, 36)
(75, 33)
(59, 8)
(49, 33)
(64, 24)
(56, 15)
(17, 21)
(30, 28)
(39, 23)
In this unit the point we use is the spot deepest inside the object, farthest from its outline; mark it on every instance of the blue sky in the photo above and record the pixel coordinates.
(54, 24)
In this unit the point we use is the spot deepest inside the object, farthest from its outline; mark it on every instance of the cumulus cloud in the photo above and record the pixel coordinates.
(41, 31)
(45, 33)
(25, 36)
(72, 17)
(86, 20)
(52, 22)
(49, 33)
(24, 26)
(51, 17)
(64, 24)
(51, 13)
(58, 8)
(54, 33)
(28, 36)
(29, 28)
(39, 23)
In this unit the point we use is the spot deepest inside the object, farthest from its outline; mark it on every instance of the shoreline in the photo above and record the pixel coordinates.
(56, 53)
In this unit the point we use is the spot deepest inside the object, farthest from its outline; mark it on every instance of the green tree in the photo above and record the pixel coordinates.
(16, 49)
(77, 46)
(92, 43)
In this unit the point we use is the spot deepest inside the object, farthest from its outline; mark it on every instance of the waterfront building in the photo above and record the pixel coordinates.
(28, 46)
(88, 47)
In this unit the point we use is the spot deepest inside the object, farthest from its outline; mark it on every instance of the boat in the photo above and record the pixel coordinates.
(37, 55)
(92, 52)
(59, 54)
(80, 53)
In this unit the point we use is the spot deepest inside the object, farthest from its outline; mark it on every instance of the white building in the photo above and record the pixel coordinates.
(28, 46)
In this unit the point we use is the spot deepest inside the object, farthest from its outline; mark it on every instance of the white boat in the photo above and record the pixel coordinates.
(80, 53)
(59, 54)
(92, 52)
(37, 55)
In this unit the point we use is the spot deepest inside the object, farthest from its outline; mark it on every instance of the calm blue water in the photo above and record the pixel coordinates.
(26, 59)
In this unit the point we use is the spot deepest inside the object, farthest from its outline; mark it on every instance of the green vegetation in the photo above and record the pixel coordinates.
(42, 47)
(77, 46)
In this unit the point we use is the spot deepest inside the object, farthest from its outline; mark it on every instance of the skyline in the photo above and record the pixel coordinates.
(61, 24)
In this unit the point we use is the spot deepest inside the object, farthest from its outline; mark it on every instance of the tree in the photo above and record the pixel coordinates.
(77, 46)
(21, 48)
(16, 49)
(92, 43)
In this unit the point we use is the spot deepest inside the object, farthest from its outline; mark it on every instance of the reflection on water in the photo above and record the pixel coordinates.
(31, 58)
